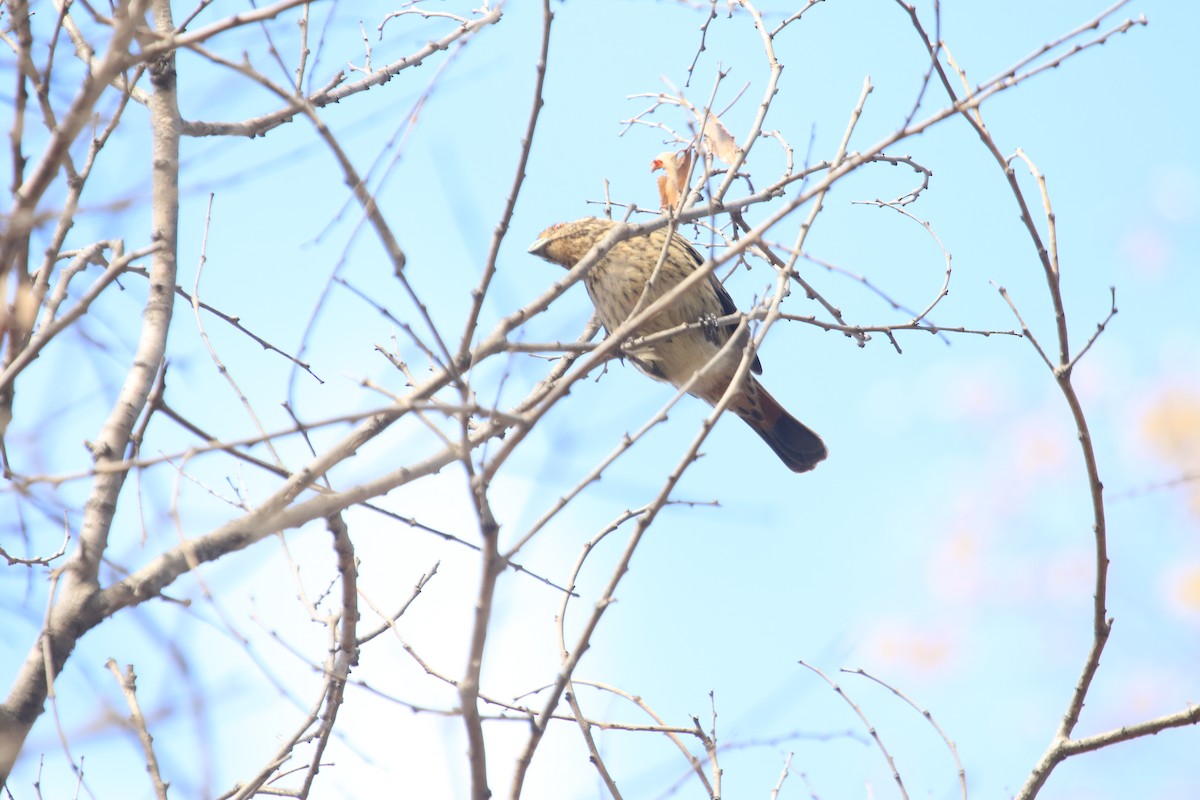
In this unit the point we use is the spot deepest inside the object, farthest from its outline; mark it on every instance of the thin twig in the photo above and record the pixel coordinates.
(128, 683)
(866, 723)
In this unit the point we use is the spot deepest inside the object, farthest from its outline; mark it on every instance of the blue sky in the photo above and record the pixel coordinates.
(944, 547)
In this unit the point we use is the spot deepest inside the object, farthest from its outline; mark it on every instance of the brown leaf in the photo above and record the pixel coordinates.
(719, 141)
(673, 183)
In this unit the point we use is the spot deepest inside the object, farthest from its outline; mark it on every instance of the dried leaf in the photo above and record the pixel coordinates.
(673, 183)
(719, 141)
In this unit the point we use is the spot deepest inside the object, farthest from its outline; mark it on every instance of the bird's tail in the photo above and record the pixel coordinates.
(795, 444)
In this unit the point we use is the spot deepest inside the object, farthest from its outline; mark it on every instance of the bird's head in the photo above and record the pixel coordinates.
(565, 243)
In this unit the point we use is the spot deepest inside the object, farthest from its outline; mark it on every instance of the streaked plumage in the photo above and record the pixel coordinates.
(617, 282)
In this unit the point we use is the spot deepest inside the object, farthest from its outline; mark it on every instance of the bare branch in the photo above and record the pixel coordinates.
(866, 724)
(128, 683)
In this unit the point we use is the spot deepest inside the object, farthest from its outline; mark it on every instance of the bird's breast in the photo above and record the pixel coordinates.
(616, 286)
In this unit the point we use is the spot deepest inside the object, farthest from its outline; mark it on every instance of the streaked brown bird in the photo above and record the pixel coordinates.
(617, 282)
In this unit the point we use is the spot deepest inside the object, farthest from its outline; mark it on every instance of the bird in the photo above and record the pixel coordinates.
(617, 282)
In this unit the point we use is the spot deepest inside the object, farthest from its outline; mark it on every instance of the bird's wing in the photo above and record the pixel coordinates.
(727, 305)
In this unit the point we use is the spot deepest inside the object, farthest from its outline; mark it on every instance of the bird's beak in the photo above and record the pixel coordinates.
(537, 247)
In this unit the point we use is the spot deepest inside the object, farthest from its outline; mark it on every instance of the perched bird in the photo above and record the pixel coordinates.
(617, 282)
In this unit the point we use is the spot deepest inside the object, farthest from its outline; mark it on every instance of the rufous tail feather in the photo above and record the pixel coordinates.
(796, 445)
